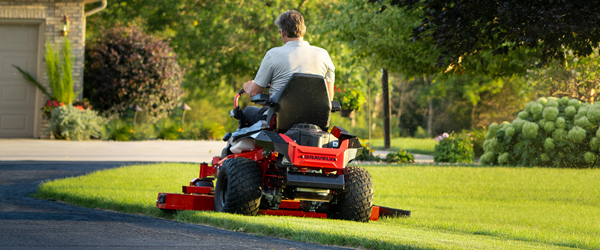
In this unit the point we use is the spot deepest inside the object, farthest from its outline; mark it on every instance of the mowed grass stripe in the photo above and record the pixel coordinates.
(452, 207)
(412, 145)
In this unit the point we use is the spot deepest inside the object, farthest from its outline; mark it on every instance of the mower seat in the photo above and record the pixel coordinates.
(303, 99)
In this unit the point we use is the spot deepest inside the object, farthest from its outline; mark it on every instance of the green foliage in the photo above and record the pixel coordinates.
(371, 37)
(523, 115)
(550, 113)
(454, 148)
(126, 67)
(570, 75)
(590, 157)
(168, 130)
(366, 154)
(530, 130)
(400, 156)
(466, 29)
(478, 136)
(118, 130)
(350, 99)
(59, 68)
(576, 134)
(420, 133)
(71, 123)
(567, 138)
(203, 131)
(549, 144)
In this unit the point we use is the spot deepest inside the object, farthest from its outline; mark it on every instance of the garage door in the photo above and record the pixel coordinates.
(18, 46)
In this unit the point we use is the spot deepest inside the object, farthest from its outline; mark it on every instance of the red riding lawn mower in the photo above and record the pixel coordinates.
(286, 165)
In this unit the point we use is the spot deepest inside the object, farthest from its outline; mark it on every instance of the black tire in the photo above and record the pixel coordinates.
(238, 187)
(356, 200)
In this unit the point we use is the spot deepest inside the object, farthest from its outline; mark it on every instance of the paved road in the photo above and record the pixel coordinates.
(29, 223)
(96, 150)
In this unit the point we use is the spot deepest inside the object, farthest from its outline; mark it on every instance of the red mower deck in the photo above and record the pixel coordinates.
(202, 199)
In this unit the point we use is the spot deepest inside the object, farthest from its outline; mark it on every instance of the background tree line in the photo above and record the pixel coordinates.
(443, 76)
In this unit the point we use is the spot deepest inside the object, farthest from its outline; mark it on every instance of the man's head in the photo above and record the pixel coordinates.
(291, 23)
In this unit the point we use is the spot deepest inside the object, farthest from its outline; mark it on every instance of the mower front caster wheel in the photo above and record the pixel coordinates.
(238, 187)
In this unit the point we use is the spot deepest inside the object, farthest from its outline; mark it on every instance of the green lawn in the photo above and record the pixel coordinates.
(452, 207)
(412, 145)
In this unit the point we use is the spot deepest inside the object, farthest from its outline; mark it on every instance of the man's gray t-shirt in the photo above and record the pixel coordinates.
(294, 57)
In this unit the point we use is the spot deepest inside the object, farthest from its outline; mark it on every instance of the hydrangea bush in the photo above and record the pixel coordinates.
(453, 148)
(551, 132)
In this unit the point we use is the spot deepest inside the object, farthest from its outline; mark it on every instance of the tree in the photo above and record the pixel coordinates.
(220, 43)
(576, 77)
(467, 27)
(383, 40)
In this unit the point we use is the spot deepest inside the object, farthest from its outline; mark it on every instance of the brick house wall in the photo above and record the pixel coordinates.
(49, 14)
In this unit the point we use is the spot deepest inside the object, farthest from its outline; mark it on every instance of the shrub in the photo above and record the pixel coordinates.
(366, 154)
(144, 131)
(168, 130)
(125, 67)
(117, 130)
(420, 133)
(453, 148)
(203, 131)
(399, 156)
(76, 124)
(565, 135)
(478, 136)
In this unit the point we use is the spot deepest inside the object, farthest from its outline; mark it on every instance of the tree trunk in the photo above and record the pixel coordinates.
(387, 128)
(430, 113)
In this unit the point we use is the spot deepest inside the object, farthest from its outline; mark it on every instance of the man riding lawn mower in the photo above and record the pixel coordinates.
(286, 165)
(282, 160)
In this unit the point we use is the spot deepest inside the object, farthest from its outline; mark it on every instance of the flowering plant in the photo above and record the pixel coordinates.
(52, 104)
(49, 106)
(349, 99)
(441, 137)
(453, 148)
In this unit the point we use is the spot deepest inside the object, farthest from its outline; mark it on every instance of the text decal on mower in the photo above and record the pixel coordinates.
(319, 158)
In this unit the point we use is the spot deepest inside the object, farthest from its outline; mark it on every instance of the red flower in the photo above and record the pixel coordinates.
(79, 107)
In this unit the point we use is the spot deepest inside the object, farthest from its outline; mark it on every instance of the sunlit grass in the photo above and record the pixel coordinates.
(412, 145)
(452, 207)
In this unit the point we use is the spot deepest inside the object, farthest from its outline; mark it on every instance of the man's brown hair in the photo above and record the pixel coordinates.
(292, 23)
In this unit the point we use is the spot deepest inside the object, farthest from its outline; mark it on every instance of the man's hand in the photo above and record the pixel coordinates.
(252, 89)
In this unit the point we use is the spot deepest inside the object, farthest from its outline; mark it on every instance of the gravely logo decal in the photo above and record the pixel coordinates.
(319, 158)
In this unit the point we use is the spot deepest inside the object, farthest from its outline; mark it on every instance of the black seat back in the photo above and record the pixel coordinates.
(304, 99)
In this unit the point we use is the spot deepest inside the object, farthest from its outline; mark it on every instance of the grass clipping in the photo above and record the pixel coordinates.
(453, 207)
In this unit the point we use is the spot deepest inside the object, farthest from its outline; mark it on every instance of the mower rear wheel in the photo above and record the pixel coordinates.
(238, 187)
(356, 200)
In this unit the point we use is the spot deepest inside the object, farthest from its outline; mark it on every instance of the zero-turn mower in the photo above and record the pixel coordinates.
(287, 165)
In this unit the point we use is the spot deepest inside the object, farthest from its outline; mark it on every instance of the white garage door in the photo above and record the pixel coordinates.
(18, 46)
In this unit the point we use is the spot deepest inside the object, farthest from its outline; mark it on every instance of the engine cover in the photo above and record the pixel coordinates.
(311, 135)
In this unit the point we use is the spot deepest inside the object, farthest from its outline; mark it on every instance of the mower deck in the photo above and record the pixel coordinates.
(201, 199)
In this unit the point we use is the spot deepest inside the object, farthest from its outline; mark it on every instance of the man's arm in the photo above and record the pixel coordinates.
(330, 89)
(253, 89)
